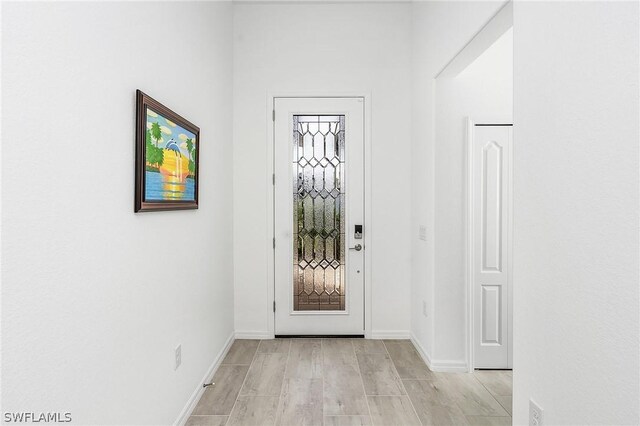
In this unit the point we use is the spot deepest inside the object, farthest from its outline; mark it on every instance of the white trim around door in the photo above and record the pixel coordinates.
(270, 219)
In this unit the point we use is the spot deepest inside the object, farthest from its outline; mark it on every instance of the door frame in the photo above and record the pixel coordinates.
(500, 120)
(270, 219)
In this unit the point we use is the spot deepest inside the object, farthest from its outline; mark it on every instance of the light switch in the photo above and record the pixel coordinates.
(422, 234)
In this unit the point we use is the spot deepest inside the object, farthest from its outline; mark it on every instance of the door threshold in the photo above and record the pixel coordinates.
(493, 369)
(317, 336)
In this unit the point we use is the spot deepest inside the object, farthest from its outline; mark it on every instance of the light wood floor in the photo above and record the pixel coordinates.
(346, 382)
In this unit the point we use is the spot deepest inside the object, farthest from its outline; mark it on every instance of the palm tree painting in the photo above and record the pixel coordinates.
(170, 171)
(166, 158)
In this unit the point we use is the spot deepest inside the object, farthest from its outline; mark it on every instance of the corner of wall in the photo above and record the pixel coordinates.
(208, 377)
(439, 365)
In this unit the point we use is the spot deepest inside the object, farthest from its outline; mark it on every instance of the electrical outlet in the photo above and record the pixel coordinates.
(423, 233)
(424, 308)
(535, 414)
(178, 357)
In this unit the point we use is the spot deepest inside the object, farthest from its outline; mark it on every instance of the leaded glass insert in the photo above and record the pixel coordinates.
(318, 213)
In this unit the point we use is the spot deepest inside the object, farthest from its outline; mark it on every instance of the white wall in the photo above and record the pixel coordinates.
(483, 89)
(329, 49)
(576, 147)
(94, 297)
(89, 327)
(440, 30)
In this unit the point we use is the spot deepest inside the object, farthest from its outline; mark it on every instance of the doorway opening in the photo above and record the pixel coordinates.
(319, 218)
(474, 119)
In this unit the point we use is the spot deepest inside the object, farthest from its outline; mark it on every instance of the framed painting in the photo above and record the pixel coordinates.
(167, 152)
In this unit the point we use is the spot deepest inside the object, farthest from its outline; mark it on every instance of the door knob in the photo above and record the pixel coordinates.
(357, 247)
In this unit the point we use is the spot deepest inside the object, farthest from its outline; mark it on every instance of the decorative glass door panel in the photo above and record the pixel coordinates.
(319, 242)
(318, 213)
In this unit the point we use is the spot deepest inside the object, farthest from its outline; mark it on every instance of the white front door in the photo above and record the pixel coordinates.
(491, 195)
(320, 234)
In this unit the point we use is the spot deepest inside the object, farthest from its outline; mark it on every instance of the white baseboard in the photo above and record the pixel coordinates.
(439, 365)
(389, 334)
(254, 335)
(421, 350)
(382, 334)
(449, 366)
(195, 396)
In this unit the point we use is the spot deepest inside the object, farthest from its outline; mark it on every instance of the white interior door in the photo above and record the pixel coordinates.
(491, 210)
(319, 207)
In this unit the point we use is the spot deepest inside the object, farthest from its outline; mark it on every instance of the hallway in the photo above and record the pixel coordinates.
(346, 382)
(463, 175)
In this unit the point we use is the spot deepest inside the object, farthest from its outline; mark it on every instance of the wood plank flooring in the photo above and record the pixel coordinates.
(357, 382)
